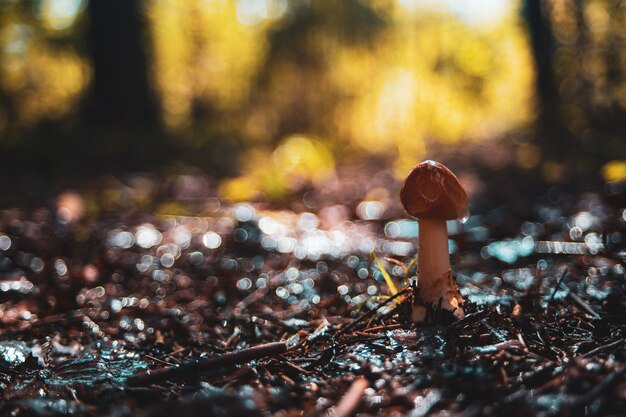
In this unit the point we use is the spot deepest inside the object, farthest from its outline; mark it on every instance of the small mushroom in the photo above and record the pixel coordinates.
(433, 194)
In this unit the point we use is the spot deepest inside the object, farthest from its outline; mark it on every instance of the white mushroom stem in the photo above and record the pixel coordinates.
(435, 279)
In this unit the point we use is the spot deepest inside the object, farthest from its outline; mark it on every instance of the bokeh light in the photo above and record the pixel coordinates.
(273, 96)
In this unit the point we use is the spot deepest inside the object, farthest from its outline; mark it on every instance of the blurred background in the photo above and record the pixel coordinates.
(266, 98)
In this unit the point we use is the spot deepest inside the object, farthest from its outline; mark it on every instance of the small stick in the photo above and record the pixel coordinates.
(333, 348)
(158, 360)
(287, 379)
(558, 284)
(470, 318)
(252, 298)
(193, 368)
(371, 312)
(499, 346)
(383, 327)
(348, 404)
(603, 347)
(293, 366)
(584, 305)
(397, 262)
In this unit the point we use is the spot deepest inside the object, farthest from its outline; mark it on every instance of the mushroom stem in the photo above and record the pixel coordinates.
(435, 281)
(433, 258)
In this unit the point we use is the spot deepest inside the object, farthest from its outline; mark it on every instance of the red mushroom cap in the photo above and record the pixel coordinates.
(432, 191)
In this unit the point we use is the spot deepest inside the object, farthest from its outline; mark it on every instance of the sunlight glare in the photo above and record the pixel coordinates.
(472, 12)
(253, 12)
(60, 14)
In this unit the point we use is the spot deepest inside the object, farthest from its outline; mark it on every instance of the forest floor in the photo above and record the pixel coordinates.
(97, 288)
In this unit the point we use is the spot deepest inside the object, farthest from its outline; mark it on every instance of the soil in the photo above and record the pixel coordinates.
(118, 303)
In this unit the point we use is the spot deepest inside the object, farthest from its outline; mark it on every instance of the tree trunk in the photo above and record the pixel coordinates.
(121, 118)
(542, 46)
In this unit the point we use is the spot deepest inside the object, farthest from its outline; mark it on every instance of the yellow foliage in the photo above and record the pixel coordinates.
(243, 188)
(424, 77)
(45, 82)
(433, 78)
(614, 171)
(427, 77)
(304, 156)
(298, 160)
(202, 53)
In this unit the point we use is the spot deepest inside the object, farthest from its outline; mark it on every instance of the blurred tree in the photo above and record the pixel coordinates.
(377, 78)
(296, 85)
(60, 114)
(204, 61)
(120, 91)
(42, 77)
(580, 83)
(121, 111)
(542, 47)
(551, 138)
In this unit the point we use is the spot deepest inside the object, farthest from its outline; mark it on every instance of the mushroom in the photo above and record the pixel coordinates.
(432, 194)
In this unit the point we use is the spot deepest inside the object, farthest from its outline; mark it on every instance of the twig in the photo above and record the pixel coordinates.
(558, 284)
(293, 366)
(397, 262)
(603, 347)
(348, 404)
(158, 360)
(499, 334)
(333, 348)
(193, 368)
(469, 319)
(584, 305)
(371, 312)
(383, 327)
(252, 298)
(499, 346)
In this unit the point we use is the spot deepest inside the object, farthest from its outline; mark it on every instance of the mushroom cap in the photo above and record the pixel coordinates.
(432, 191)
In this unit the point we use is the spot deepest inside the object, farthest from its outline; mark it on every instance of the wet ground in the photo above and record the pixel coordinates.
(99, 287)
